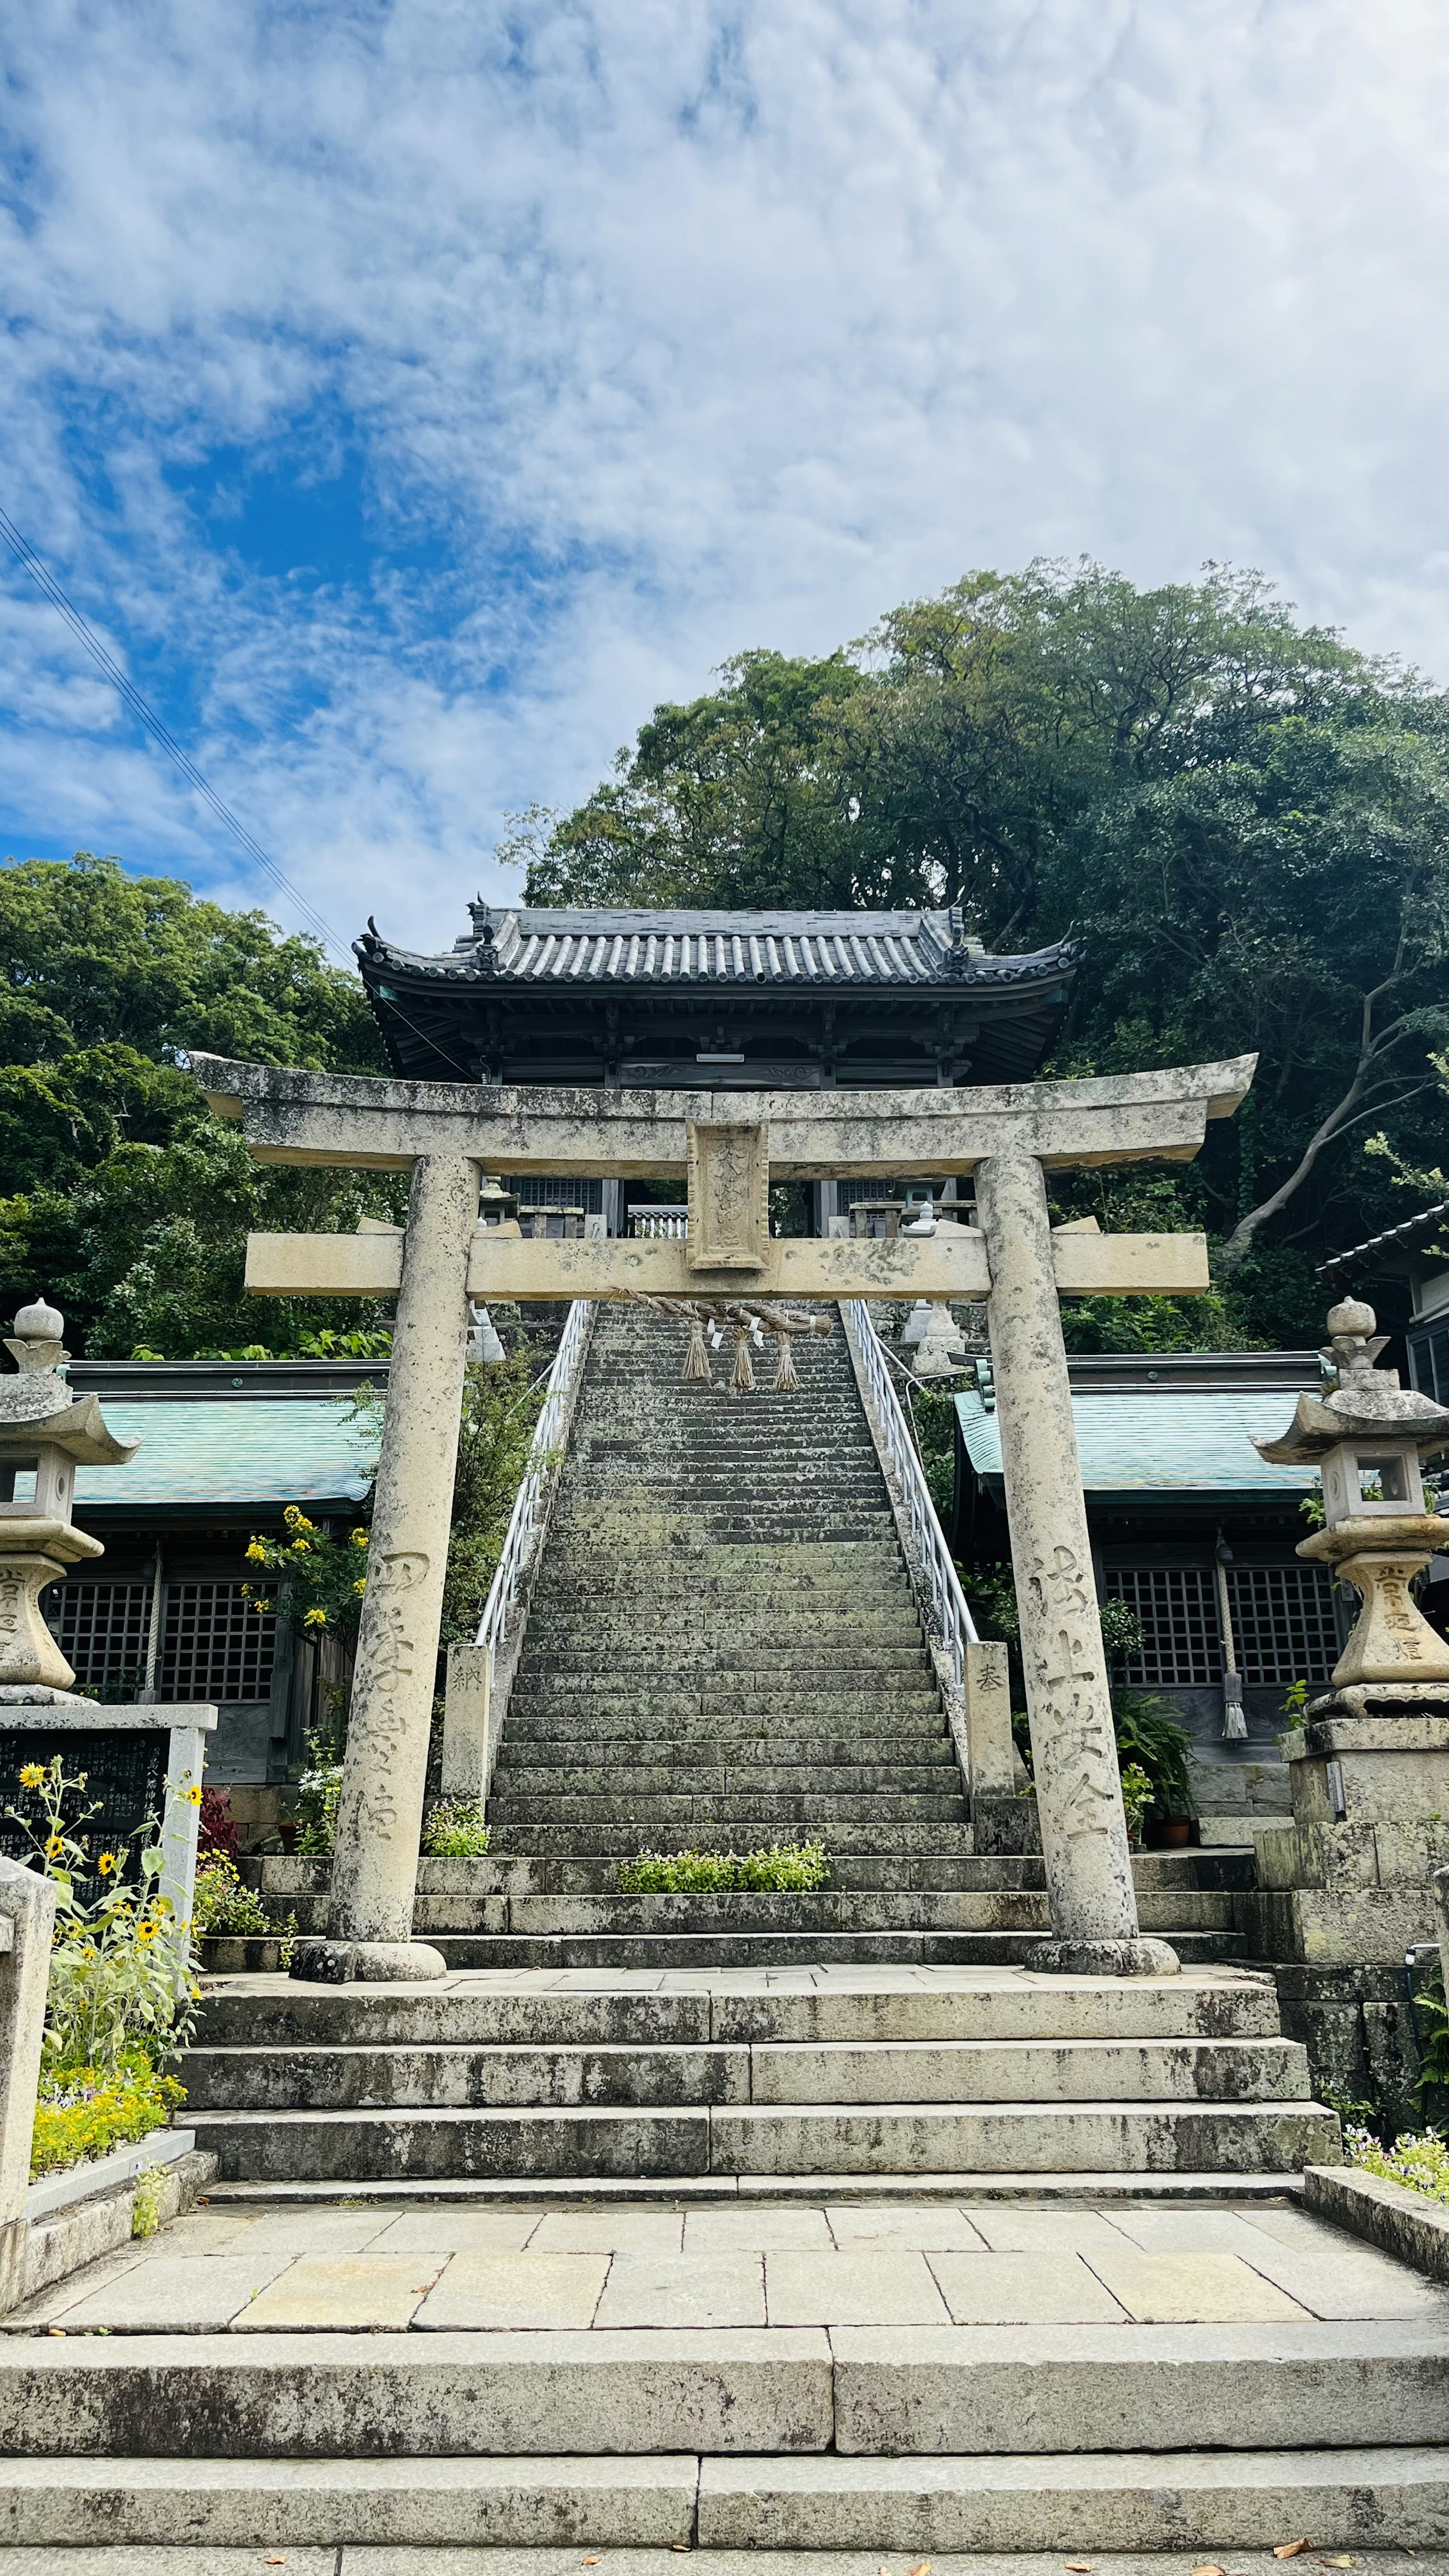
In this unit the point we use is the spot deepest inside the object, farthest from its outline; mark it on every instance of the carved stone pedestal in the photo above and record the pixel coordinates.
(1346, 1889)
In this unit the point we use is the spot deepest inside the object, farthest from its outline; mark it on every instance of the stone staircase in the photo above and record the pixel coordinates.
(724, 1651)
(806, 2089)
(942, 2076)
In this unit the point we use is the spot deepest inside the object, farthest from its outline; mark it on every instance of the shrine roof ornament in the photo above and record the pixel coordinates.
(535, 944)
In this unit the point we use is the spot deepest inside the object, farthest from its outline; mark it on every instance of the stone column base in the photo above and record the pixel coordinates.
(367, 1963)
(1105, 1959)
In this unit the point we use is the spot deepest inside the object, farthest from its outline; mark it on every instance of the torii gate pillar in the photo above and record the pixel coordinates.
(446, 1132)
(1073, 1743)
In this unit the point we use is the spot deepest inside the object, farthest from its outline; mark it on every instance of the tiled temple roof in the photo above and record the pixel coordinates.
(534, 945)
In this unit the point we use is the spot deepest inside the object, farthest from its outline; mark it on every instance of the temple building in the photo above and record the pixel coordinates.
(749, 1001)
(759, 1001)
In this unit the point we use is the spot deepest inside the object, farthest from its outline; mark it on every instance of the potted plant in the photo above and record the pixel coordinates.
(1136, 1799)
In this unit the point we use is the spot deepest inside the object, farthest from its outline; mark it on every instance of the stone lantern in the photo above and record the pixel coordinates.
(44, 1436)
(1345, 1889)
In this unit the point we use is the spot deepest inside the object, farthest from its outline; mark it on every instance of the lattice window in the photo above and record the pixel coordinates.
(539, 1190)
(101, 1629)
(214, 1645)
(1179, 1624)
(1282, 1622)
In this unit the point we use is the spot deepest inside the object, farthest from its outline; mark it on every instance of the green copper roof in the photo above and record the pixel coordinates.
(1173, 1442)
(278, 1452)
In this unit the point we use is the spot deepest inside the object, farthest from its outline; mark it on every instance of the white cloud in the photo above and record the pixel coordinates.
(658, 327)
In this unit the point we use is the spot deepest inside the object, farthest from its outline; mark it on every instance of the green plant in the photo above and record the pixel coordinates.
(1121, 1629)
(325, 1577)
(149, 2199)
(318, 1791)
(1295, 1702)
(454, 1830)
(220, 1903)
(1148, 1734)
(85, 2111)
(1137, 1795)
(993, 1587)
(120, 1972)
(1312, 1509)
(785, 1865)
(1434, 2047)
(1417, 2159)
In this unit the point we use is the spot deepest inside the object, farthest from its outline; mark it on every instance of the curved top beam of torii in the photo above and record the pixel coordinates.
(354, 1122)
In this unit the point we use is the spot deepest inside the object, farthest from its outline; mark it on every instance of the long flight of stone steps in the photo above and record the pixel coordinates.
(723, 1651)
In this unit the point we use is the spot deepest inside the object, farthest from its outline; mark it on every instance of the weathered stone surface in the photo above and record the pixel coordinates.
(1138, 2501)
(537, 2503)
(1401, 2222)
(1004, 2389)
(350, 1120)
(1074, 1755)
(320, 2397)
(380, 1811)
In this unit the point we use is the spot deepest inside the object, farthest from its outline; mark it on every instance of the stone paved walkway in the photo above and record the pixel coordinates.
(334, 2268)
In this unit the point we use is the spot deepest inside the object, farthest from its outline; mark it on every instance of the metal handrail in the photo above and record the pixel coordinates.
(530, 1510)
(938, 1585)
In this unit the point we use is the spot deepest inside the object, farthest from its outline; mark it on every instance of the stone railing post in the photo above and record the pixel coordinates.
(1074, 1749)
(27, 1916)
(380, 1810)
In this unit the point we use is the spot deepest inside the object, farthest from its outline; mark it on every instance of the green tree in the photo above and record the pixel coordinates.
(1243, 817)
(123, 1196)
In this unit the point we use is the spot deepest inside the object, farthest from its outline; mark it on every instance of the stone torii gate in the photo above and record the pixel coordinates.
(730, 1145)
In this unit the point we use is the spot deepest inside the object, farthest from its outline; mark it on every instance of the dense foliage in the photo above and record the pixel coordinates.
(1247, 821)
(120, 1193)
(800, 1866)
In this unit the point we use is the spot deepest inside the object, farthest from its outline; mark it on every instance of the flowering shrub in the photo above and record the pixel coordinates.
(120, 1974)
(787, 1865)
(1418, 2159)
(86, 2111)
(454, 1830)
(326, 1577)
(222, 1904)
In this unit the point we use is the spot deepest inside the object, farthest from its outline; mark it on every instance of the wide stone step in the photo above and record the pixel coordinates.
(818, 1909)
(1148, 2500)
(785, 2510)
(283, 1881)
(723, 1808)
(572, 1645)
(725, 1695)
(517, 2075)
(748, 1833)
(800, 2138)
(562, 1747)
(1026, 2439)
(1209, 2005)
(799, 1951)
(742, 1776)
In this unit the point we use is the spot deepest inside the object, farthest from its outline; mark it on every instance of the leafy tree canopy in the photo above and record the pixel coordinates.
(125, 1200)
(1246, 821)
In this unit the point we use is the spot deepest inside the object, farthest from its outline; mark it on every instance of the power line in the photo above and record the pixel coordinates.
(46, 582)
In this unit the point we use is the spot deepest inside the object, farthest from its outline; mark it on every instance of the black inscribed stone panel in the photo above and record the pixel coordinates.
(125, 1768)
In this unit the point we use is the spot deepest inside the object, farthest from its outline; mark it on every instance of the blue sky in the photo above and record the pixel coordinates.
(411, 395)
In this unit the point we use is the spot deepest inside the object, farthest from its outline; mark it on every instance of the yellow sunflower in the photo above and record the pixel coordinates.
(55, 1846)
(107, 1863)
(32, 1775)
